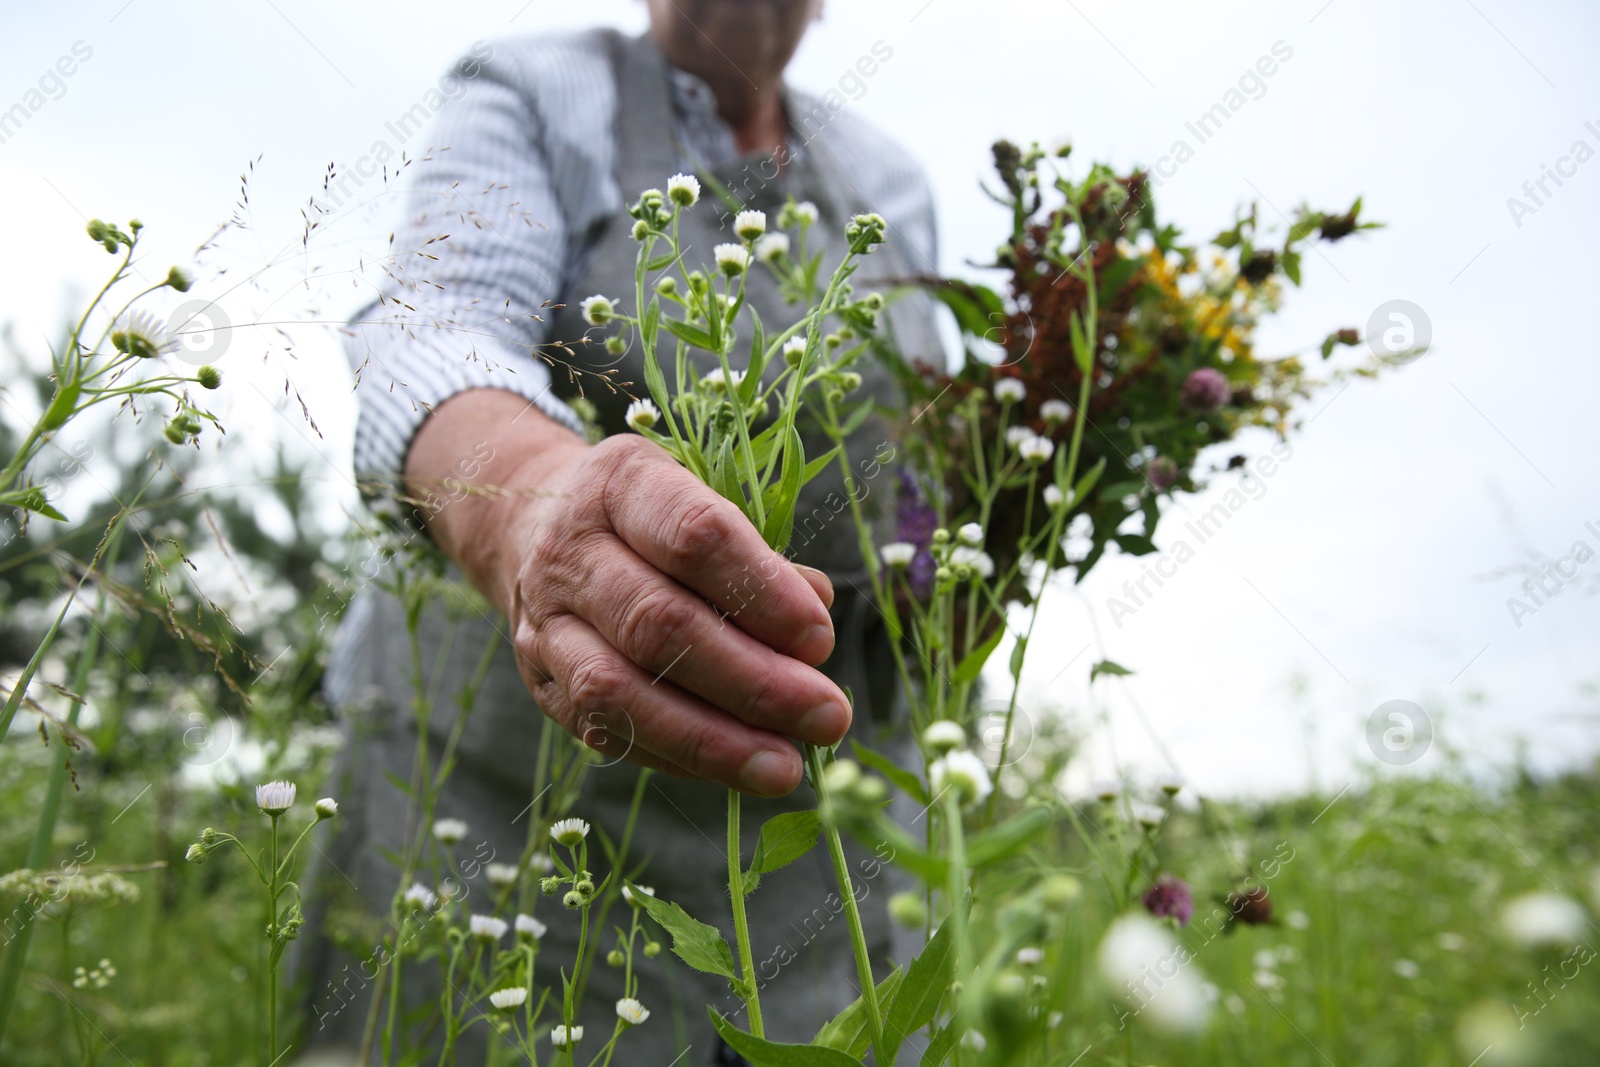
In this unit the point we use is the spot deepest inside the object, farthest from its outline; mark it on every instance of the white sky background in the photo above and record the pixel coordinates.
(1378, 554)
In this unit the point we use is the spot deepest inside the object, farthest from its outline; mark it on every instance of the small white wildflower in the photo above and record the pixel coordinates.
(1264, 959)
(794, 349)
(597, 310)
(1054, 411)
(529, 927)
(1450, 942)
(449, 889)
(631, 1012)
(275, 798)
(487, 927)
(1009, 390)
(449, 831)
(642, 414)
(732, 260)
(420, 897)
(644, 890)
(981, 564)
(509, 999)
(569, 832)
(1036, 450)
(805, 212)
(1106, 789)
(1030, 957)
(683, 189)
(502, 875)
(1170, 783)
(1015, 435)
(141, 334)
(974, 1040)
(772, 247)
(715, 381)
(1134, 948)
(962, 772)
(1543, 918)
(1148, 815)
(970, 534)
(750, 224)
(898, 553)
(541, 863)
(944, 735)
(1407, 968)
(1053, 496)
(561, 1038)
(327, 808)
(841, 774)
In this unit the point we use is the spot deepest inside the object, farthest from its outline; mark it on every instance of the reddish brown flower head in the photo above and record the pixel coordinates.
(1251, 906)
(1205, 390)
(1169, 898)
(1162, 472)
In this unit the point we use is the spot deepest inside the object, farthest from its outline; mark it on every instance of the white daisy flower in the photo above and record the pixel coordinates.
(529, 927)
(642, 414)
(964, 773)
(974, 1040)
(1170, 783)
(944, 735)
(772, 247)
(898, 553)
(327, 808)
(1009, 390)
(561, 1038)
(1148, 815)
(1036, 450)
(420, 897)
(805, 212)
(1543, 918)
(683, 189)
(794, 349)
(502, 875)
(1055, 411)
(716, 382)
(597, 310)
(569, 832)
(970, 534)
(1015, 435)
(541, 863)
(750, 224)
(1030, 957)
(487, 927)
(1053, 496)
(1106, 789)
(733, 260)
(644, 890)
(275, 798)
(1134, 948)
(449, 831)
(509, 999)
(141, 334)
(981, 563)
(631, 1012)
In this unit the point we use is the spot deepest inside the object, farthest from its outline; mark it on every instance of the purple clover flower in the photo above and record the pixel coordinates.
(1170, 898)
(915, 521)
(1205, 390)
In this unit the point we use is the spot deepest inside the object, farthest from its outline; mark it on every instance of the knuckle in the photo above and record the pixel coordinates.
(698, 531)
(707, 750)
(656, 626)
(596, 687)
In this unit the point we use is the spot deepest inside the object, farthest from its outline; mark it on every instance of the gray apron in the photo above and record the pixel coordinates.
(798, 930)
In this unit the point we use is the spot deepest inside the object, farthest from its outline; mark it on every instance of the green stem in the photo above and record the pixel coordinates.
(272, 948)
(741, 926)
(858, 937)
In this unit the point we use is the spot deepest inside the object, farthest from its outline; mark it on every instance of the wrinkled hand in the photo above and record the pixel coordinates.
(648, 616)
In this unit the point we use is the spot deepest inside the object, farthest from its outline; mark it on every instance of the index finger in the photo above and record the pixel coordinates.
(684, 529)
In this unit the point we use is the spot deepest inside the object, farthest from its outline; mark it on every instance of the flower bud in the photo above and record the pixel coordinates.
(909, 910)
(196, 853)
(179, 280)
(652, 949)
(666, 285)
(585, 888)
(327, 808)
(614, 957)
(208, 376)
(549, 886)
(573, 899)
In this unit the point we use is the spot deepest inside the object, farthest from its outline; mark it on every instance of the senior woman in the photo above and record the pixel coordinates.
(641, 611)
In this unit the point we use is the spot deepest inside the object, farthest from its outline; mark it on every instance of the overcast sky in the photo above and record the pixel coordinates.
(1375, 565)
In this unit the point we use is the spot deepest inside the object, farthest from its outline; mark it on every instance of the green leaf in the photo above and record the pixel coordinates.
(1017, 653)
(698, 945)
(61, 407)
(999, 842)
(762, 1053)
(688, 334)
(851, 1031)
(1291, 266)
(1106, 666)
(661, 262)
(1087, 482)
(780, 520)
(972, 664)
(816, 466)
(784, 839)
(725, 475)
(1081, 353)
(939, 1049)
(924, 986)
(907, 782)
(758, 361)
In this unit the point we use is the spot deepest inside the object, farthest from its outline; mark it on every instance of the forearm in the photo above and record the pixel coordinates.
(472, 465)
